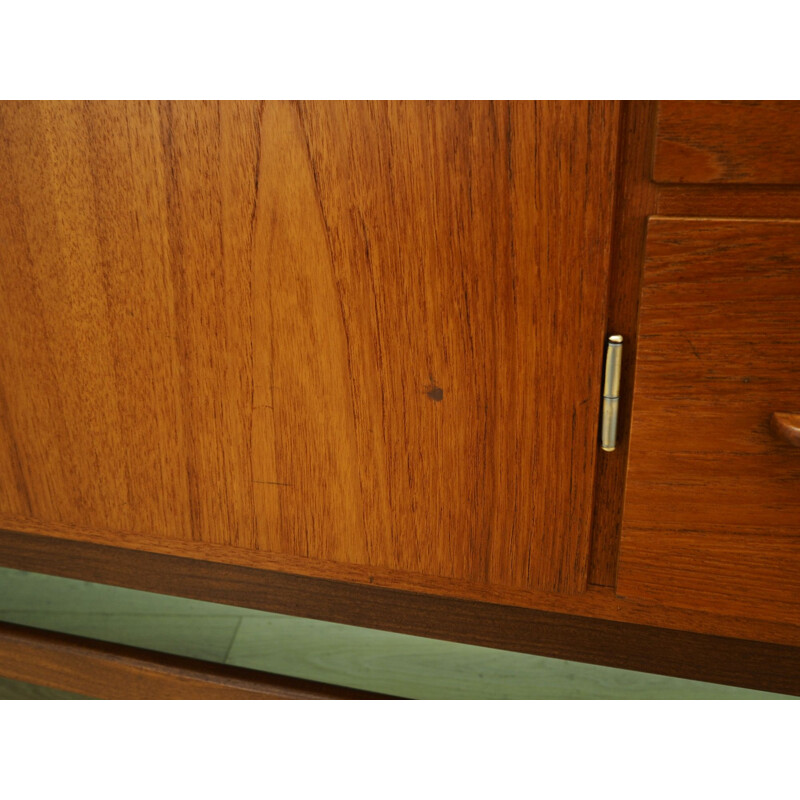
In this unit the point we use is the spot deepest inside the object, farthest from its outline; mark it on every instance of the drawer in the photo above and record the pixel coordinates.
(712, 511)
(747, 142)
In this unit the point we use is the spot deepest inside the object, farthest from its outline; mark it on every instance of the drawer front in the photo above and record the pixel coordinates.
(728, 142)
(712, 509)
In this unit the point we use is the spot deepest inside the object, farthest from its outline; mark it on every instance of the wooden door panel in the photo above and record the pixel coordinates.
(712, 508)
(124, 367)
(368, 334)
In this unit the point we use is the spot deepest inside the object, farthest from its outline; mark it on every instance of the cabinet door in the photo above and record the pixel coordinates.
(712, 509)
(350, 339)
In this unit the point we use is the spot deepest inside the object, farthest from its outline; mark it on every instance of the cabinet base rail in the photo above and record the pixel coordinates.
(746, 663)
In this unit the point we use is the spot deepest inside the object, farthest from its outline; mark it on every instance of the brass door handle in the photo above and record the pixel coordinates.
(786, 427)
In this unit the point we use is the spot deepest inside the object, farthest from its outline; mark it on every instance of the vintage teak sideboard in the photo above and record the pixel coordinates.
(347, 360)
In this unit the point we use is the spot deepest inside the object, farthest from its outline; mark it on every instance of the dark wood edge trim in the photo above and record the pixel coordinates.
(117, 672)
(635, 200)
(717, 659)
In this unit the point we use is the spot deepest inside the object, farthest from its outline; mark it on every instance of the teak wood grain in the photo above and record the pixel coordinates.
(712, 509)
(728, 200)
(364, 334)
(119, 672)
(747, 142)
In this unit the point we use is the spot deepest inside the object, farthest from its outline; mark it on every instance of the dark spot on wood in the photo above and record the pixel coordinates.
(435, 393)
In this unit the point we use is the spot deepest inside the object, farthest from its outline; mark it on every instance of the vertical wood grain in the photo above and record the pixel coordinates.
(308, 492)
(210, 159)
(368, 334)
(126, 367)
(440, 270)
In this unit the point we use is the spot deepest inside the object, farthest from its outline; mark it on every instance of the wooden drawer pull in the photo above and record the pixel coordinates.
(786, 427)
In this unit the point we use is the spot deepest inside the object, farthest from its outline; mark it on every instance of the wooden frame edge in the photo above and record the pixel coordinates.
(635, 200)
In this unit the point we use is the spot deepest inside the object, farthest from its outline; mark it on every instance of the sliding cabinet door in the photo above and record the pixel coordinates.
(350, 339)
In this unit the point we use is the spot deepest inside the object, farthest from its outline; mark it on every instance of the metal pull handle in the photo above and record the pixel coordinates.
(608, 430)
(786, 427)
